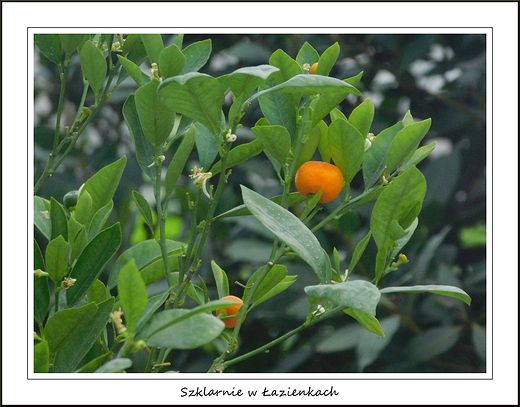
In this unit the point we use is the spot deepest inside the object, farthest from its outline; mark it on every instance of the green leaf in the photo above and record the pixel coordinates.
(41, 357)
(155, 270)
(197, 54)
(276, 275)
(400, 201)
(446, 290)
(153, 44)
(405, 143)
(221, 280)
(433, 342)
(358, 251)
(241, 210)
(83, 213)
(243, 81)
(115, 366)
(102, 186)
(144, 253)
(275, 139)
(347, 147)
(196, 95)
(359, 294)
(143, 148)
(92, 261)
(133, 70)
(328, 59)
(239, 154)
(369, 322)
(144, 208)
(307, 55)
(374, 161)
(408, 119)
(327, 102)
(94, 66)
(309, 146)
(354, 80)
(420, 154)
(179, 161)
(62, 325)
(362, 116)
(156, 119)
(70, 42)
(95, 363)
(58, 220)
(50, 46)
(278, 288)
(309, 84)
(171, 61)
(97, 292)
(81, 340)
(42, 219)
(41, 292)
(133, 296)
(99, 219)
(78, 239)
(57, 259)
(291, 231)
(206, 143)
(172, 329)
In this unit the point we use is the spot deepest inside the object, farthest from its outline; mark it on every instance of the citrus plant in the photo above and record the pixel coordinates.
(87, 323)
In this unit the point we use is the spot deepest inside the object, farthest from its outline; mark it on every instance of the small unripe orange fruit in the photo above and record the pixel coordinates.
(229, 311)
(314, 67)
(316, 176)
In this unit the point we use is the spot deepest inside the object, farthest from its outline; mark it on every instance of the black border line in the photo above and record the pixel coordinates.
(217, 377)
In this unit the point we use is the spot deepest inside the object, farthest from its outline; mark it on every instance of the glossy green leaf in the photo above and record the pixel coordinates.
(433, 342)
(97, 292)
(446, 290)
(243, 81)
(92, 261)
(83, 213)
(171, 329)
(144, 208)
(41, 361)
(369, 322)
(155, 270)
(275, 139)
(81, 340)
(354, 80)
(221, 280)
(99, 219)
(143, 148)
(50, 46)
(277, 289)
(133, 296)
(153, 44)
(115, 366)
(41, 288)
(133, 70)
(309, 146)
(102, 185)
(95, 363)
(356, 294)
(171, 61)
(156, 118)
(241, 210)
(327, 102)
(62, 325)
(374, 161)
(401, 242)
(291, 231)
(405, 143)
(400, 201)
(239, 154)
(420, 154)
(58, 220)
(276, 275)
(57, 259)
(324, 145)
(307, 55)
(78, 239)
(196, 95)
(362, 116)
(408, 119)
(207, 145)
(144, 253)
(328, 59)
(197, 54)
(41, 216)
(94, 66)
(358, 251)
(179, 160)
(347, 147)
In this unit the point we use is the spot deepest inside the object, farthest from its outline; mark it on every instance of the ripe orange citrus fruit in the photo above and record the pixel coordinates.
(315, 176)
(229, 311)
(314, 67)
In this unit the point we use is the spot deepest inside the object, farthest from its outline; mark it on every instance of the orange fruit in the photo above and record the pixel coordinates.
(230, 311)
(314, 67)
(315, 176)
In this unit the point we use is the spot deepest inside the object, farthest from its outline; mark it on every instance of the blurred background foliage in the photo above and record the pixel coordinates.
(441, 76)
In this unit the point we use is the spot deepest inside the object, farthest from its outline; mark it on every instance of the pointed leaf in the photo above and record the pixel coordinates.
(57, 259)
(239, 154)
(41, 357)
(42, 216)
(221, 280)
(153, 44)
(50, 46)
(196, 95)
(275, 139)
(179, 161)
(171, 61)
(307, 55)
(362, 116)
(58, 220)
(433, 342)
(291, 231)
(144, 208)
(197, 54)
(93, 65)
(347, 147)
(99, 219)
(115, 366)
(92, 261)
(446, 290)
(133, 296)
(133, 70)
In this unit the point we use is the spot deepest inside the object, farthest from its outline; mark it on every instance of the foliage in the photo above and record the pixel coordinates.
(128, 276)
